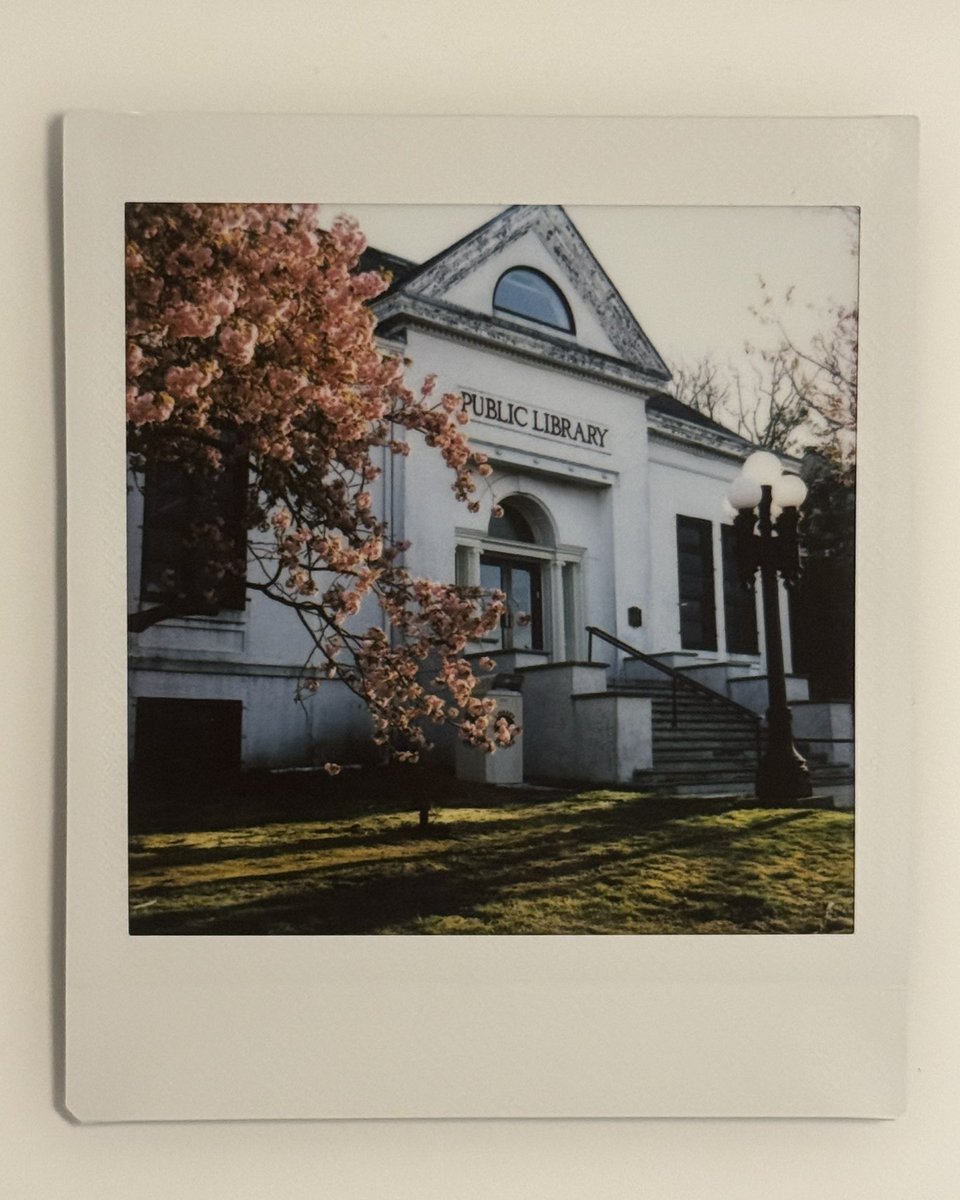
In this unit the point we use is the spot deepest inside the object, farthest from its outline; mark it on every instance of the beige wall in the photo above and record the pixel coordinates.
(704, 56)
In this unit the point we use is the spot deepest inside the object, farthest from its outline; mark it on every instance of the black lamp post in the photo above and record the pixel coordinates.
(774, 549)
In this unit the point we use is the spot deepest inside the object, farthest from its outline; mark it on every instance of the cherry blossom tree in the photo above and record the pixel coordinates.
(251, 347)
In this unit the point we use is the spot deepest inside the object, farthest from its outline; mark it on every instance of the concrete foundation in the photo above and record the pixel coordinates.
(827, 728)
(578, 730)
(751, 691)
(503, 767)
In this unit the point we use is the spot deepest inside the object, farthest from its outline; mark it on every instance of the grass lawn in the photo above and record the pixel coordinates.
(514, 862)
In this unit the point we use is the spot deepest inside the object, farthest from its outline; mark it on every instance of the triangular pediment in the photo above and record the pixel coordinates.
(544, 238)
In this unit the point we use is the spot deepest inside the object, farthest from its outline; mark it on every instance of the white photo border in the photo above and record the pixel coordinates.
(171, 1028)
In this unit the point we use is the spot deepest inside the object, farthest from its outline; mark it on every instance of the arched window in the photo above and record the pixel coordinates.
(511, 525)
(524, 292)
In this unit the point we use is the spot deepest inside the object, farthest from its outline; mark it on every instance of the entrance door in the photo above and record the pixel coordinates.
(522, 625)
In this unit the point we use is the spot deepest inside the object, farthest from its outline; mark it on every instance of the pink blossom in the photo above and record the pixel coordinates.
(252, 317)
(238, 342)
(135, 360)
(184, 383)
(189, 320)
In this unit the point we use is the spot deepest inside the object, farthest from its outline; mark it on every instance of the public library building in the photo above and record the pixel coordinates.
(615, 548)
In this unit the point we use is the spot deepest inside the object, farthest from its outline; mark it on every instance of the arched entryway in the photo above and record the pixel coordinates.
(518, 554)
(515, 573)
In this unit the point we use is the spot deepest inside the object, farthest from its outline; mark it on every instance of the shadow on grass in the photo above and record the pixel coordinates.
(558, 849)
(623, 817)
(263, 797)
(345, 908)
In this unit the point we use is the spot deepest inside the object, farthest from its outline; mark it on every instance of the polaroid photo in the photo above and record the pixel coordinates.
(469, 610)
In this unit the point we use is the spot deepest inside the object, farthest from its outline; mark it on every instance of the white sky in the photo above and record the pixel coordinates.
(689, 275)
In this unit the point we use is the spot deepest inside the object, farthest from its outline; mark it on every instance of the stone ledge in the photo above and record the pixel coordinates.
(566, 662)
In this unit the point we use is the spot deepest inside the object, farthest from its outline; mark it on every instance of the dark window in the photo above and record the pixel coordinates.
(513, 526)
(522, 625)
(739, 605)
(698, 618)
(194, 534)
(822, 627)
(523, 292)
(185, 744)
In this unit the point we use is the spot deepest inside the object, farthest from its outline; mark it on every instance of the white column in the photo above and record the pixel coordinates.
(761, 630)
(468, 566)
(558, 637)
(719, 607)
(574, 607)
(786, 630)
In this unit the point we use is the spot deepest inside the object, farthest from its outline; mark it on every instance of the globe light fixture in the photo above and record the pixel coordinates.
(763, 466)
(789, 491)
(744, 493)
(767, 500)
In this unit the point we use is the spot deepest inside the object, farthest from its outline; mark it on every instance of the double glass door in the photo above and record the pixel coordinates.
(521, 582)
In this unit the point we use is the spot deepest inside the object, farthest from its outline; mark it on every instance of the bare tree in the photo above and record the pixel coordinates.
(800, 396)
(704, 387)
(822, 374)
(785, 395)
(760, 400)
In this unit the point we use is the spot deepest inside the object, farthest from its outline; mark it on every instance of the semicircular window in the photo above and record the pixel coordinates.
(512, 525)
(524, 292)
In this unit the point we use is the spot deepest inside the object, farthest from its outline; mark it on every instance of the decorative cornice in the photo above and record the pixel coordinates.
(662, 428)
(502, 335)
(666, 430)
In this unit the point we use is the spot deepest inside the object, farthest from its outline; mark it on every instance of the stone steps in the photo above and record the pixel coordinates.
(712, 748)
(727, 778)
(694, 725)
(703, 754)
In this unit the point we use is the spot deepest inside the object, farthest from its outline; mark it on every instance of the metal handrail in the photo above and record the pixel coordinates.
(677, 678)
